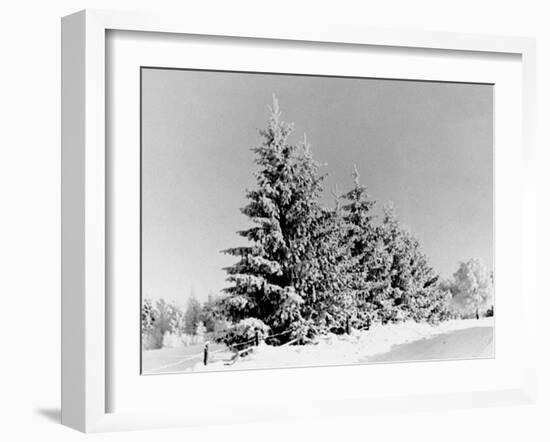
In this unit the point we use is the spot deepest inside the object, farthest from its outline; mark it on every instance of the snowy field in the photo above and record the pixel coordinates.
(169, 360)
(409, 341)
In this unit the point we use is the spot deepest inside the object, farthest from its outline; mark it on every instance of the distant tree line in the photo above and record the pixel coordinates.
(166, 324)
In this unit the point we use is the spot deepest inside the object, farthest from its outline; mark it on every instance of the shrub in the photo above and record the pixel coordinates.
(304, 330)
(245, 330)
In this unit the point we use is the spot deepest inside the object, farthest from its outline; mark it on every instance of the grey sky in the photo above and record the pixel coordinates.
(428, 147)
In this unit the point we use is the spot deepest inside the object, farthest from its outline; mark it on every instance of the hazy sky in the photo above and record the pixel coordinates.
(426, 146)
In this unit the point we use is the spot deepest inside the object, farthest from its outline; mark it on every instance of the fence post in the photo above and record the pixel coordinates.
(348, 329)
(205, 360)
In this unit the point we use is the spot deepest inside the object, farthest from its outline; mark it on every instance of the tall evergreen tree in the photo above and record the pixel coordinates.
(331, 304)
(193, 315)
(269, 281)
(363, 248)
(407, 286)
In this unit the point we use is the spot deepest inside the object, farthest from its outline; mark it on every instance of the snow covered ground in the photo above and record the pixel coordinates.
(394, 342)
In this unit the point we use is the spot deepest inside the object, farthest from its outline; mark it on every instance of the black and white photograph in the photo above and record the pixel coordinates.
(304, 220)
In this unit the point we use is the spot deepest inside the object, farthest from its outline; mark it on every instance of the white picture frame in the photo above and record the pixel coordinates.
(86, 202)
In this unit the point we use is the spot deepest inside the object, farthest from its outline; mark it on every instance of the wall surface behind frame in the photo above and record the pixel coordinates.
(30, 223)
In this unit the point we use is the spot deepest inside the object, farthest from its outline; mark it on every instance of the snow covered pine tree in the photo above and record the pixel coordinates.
(329, 277)
(406, 286)
(360, 238)
(270, 281)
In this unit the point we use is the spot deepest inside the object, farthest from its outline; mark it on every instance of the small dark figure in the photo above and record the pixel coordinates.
(477, 313)
(348, 326)
(257, 338)
(205, 361)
